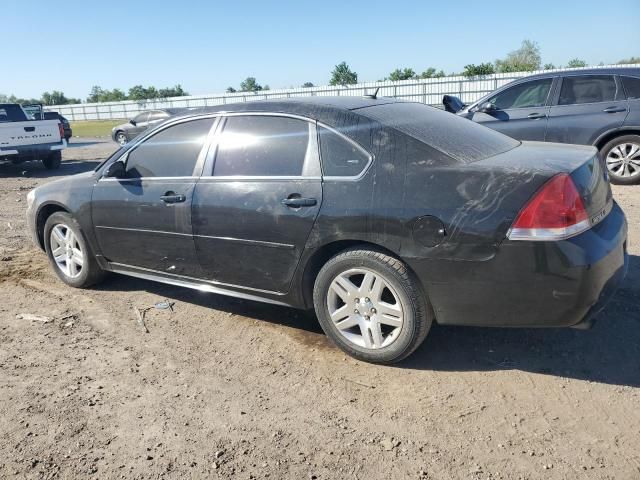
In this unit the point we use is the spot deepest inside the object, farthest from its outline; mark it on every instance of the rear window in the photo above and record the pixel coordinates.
(457, 137)
(12, 113)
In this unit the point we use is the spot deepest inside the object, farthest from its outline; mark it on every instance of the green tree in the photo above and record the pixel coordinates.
(307, 85)
(231, 90)
(549, 66)
(524, 59)
(175, 91)
(250, 84)
(343, 75)
(576, 63)
(630, 60)
(402, 74)
(473, 70)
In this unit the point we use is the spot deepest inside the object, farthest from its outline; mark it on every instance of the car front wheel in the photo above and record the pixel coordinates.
(371, 306)
(69, 253)
(121, 138)
(622, 155)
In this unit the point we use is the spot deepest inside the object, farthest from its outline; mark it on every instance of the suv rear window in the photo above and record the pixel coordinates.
(631, 86)
(587, 89)
(456, 137)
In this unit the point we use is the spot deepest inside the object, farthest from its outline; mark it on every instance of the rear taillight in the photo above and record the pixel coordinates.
(554, 213)
(61, 129)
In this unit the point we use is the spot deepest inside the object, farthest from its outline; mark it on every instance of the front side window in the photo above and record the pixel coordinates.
(157, 116)
(259, 145)
(172, 152)
(631, 86)
(340, 157)
(587, 89)
(525, 95)
(141, 117)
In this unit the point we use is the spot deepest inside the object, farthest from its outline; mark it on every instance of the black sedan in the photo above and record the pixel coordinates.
(385, 216)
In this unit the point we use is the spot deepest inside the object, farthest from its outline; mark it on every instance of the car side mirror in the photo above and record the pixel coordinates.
(115, 170)
(487, 107)
(132, 122)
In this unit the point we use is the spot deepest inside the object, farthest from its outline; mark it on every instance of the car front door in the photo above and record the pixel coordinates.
(258, 198)
(585, 107)
(144, 218)
(519, 111)
(141, 122)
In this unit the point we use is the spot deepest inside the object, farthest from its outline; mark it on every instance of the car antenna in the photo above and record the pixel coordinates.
(373, 95)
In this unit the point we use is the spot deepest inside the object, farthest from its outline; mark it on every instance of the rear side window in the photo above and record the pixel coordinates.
(172, 152)
(524, 95)
(157, 116)
(587, 89)
(340, 157)
(141, 117)
(259, 145)
(631, 86)
(456, 137)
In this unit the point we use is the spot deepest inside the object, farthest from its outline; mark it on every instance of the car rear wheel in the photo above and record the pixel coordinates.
(53, 161)
(622, 156)
(121, 138)
(69, 253)
(371, 306)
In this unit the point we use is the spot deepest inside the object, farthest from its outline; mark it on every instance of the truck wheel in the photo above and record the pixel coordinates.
(53, 161)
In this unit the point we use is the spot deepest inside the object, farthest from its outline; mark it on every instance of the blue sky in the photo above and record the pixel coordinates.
(70, 45)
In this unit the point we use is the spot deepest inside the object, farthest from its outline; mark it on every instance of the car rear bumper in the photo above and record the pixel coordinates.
(535, 284)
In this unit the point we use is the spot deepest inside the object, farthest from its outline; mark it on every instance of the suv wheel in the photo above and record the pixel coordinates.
(371, 306)
(69, 252)
(53, 161)
(622, 155)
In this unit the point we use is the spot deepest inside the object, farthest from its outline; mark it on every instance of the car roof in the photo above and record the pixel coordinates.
(585, 71)
(312, 107)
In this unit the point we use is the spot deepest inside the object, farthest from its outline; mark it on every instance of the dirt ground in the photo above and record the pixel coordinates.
(223, 388)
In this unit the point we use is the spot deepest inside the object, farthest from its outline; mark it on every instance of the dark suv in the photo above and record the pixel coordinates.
(599, 107)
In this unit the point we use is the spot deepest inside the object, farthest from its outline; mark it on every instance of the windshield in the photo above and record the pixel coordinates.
(457, 137)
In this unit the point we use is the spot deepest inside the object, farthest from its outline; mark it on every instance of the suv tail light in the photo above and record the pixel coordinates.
(555, 212)
(61, 130)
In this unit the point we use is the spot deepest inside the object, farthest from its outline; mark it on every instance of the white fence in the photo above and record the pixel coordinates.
(429, 91)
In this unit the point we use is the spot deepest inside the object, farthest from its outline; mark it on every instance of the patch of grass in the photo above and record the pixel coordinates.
(94, 128)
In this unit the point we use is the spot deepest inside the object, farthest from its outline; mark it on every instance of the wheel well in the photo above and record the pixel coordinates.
(322, 256)
(610, 136)
(44, 213)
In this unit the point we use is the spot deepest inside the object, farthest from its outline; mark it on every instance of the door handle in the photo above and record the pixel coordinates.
(614, 109)
(171, 197)
(297, 202)
(535, 116)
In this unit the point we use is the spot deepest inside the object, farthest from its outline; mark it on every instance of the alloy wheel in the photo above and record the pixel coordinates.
(365, 308)
(121, 139)
(624, 160)
(66, 250)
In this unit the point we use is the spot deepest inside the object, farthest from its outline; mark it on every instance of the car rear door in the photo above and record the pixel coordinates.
(257, 201)
(585, 107)
(520, 110)
(144, 219)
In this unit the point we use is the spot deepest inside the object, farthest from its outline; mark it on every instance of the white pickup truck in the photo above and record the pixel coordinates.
(22, 138)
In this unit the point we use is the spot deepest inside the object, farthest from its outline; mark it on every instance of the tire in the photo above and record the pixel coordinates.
(121, 138)
(622, 156)
(53, 161)
(89, 273)
(398, 332)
